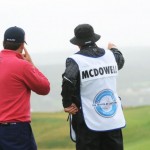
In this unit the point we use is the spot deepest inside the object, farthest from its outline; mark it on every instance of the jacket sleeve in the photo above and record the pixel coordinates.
(68, 82)
(66, 93)
(35, 80)
(119, 57)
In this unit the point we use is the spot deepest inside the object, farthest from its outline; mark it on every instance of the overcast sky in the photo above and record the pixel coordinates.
(49, 24)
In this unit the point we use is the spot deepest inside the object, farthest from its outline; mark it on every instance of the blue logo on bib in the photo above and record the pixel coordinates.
(105, 103)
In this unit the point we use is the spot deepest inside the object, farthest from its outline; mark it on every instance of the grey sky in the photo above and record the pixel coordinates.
(49, 24)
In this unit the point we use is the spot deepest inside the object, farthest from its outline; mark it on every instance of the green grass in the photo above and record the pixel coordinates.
(137, 132)
(51, 130)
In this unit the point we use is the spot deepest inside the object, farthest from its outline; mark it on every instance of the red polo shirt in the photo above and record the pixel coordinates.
(17, 78)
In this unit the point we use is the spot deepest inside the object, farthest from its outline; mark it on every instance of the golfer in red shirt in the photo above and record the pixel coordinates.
(18, 77)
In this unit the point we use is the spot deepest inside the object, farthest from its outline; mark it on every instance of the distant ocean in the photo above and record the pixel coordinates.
(133, 81)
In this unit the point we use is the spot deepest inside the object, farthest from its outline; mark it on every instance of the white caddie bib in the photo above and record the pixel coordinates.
(101, 105)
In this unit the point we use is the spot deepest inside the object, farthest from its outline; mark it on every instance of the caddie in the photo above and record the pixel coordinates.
(89, 93)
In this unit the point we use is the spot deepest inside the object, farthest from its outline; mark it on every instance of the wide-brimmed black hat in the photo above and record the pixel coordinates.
(84, 34)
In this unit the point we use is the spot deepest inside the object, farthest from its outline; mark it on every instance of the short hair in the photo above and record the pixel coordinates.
(11, 45)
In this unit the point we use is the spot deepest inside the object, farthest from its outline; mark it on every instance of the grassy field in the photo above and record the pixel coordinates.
(51, 130)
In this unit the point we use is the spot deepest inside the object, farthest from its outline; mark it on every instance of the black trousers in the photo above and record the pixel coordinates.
(87, 139)
(17, 136)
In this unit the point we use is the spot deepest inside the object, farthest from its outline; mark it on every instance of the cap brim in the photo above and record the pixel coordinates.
(25, 42)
